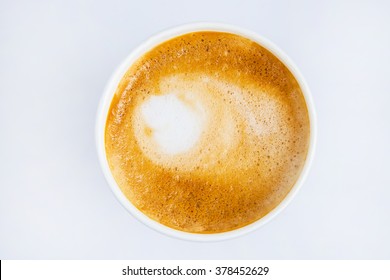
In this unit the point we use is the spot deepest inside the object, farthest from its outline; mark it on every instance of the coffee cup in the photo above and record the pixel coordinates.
(111, 89)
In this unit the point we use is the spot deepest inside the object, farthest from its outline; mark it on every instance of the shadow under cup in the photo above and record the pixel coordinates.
(109, 95)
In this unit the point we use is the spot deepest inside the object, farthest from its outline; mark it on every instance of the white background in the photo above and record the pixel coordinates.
(55, 58)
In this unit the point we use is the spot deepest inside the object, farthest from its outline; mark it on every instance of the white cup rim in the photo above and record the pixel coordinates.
(110, 90)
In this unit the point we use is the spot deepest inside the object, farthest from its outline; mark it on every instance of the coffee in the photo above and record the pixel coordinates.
(207, 132)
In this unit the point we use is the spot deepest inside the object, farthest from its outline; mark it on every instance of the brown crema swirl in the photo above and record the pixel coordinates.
(252, 147)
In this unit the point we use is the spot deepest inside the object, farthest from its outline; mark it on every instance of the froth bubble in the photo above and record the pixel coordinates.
(174, 124)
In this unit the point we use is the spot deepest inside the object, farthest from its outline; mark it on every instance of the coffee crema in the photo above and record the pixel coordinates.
(207, 132)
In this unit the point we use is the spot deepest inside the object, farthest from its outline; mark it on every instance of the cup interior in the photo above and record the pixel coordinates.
(111, 88)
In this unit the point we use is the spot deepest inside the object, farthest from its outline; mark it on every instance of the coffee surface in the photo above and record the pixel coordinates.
(207, 132)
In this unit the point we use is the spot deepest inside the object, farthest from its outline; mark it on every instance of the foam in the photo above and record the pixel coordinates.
(207, 132)
(197, 125)
(171, 123)
(196, 115)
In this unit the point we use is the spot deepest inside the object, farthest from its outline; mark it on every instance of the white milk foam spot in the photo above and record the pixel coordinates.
(175, 125)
